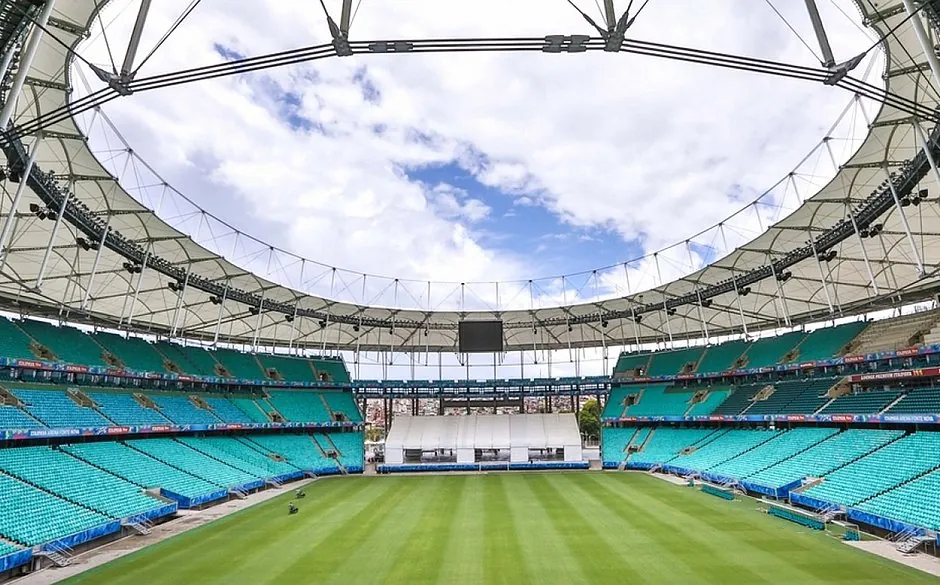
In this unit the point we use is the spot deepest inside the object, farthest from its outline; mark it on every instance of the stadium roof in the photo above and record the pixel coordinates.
(71, 282)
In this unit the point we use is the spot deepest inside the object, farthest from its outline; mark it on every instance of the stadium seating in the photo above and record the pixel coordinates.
(739, 399)
(239, 455)
(349, 446)
(243, 366)
(722, 357)
(716, 395)
(614, 441)
(190, 360)
(614, 408)
(229, 412)
(251, 408)
(670, 363)
(56, 409)
(76, 481)
(7, 549)
(181, 410)
(12, 417)
(770, 351)
(289, 368)
(140, 469)
(795, 397)
(133, 352)
(30, 516)
(69, 344)
(660, 400)
(300, 450)
(664, 444)
(780, 448)
(123, 409)
(299, 406)
(825, 456)
(828, 342)
(628, 363)
(722, 448)
(914, 502)
(193, 462)
(342, 402)
(865, 402)
(13, 342)
(888, 467)
(895, 333)
(919, 401)
(334, 368)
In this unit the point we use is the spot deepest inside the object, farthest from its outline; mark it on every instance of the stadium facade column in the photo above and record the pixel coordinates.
(94, 266)
(26, 63)
(17, 197)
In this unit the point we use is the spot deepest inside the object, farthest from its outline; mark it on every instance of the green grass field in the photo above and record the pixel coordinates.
(590, 528)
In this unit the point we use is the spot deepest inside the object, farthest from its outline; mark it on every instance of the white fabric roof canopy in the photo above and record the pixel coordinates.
(144, 301)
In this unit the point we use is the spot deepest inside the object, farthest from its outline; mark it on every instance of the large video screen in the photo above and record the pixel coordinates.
(480, 336)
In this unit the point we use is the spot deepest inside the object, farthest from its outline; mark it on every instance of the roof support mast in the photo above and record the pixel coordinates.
(120, 81)
(11, 217)
(26, 63)
(52, 237)
(94, 266)
(837, 71)
(930, 52)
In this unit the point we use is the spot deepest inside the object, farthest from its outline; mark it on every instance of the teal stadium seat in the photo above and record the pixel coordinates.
(135, 353)
(239, 455)
(350, 448)
(716, 395)
(914, 502)
(300, 450)
(665, 443)
(30, 516)
(123, 409)
(918, 401)
(140, 469)
(614, 407)
(724, 448)
(671, 363)
(292, 369)
(243, 366)
(780, 448)
(721, 357)
(795, 397)
(76, 481)
(251, 408)
(334, 367)
(181, 410)
(828, 342)
(628, 363)
(770, 351)
(739, 399)
(614, 441)
(661, 400)
(69, 344)
(300, 406)
(885, 468)
(193, 462)
(12, 417)
(56, 410)
(228, 412)
(343, 402)
(13, 342)
(865, 402)
(824, 457)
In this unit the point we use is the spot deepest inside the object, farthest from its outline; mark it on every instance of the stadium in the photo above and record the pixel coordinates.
(753, 400)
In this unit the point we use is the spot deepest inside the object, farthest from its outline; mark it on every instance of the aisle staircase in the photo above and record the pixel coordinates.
(58, 553)
(142, 526)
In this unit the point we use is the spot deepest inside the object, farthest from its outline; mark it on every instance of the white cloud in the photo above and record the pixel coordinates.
(653, 150)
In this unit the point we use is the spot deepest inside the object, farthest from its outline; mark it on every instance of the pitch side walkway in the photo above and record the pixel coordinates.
(187, 520)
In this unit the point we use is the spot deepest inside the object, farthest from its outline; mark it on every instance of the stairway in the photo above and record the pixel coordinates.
(59, 554)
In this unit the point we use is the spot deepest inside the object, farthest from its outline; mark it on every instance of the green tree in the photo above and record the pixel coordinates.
(374, 433)
(589, 419)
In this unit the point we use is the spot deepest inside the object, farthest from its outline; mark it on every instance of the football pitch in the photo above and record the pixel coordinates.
(565, 528)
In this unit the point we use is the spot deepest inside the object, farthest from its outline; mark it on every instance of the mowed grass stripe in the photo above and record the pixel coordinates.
(596, 556)
(545, 551)
(213, 544)
(465, 538)
(345, 538)
(503, 561)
